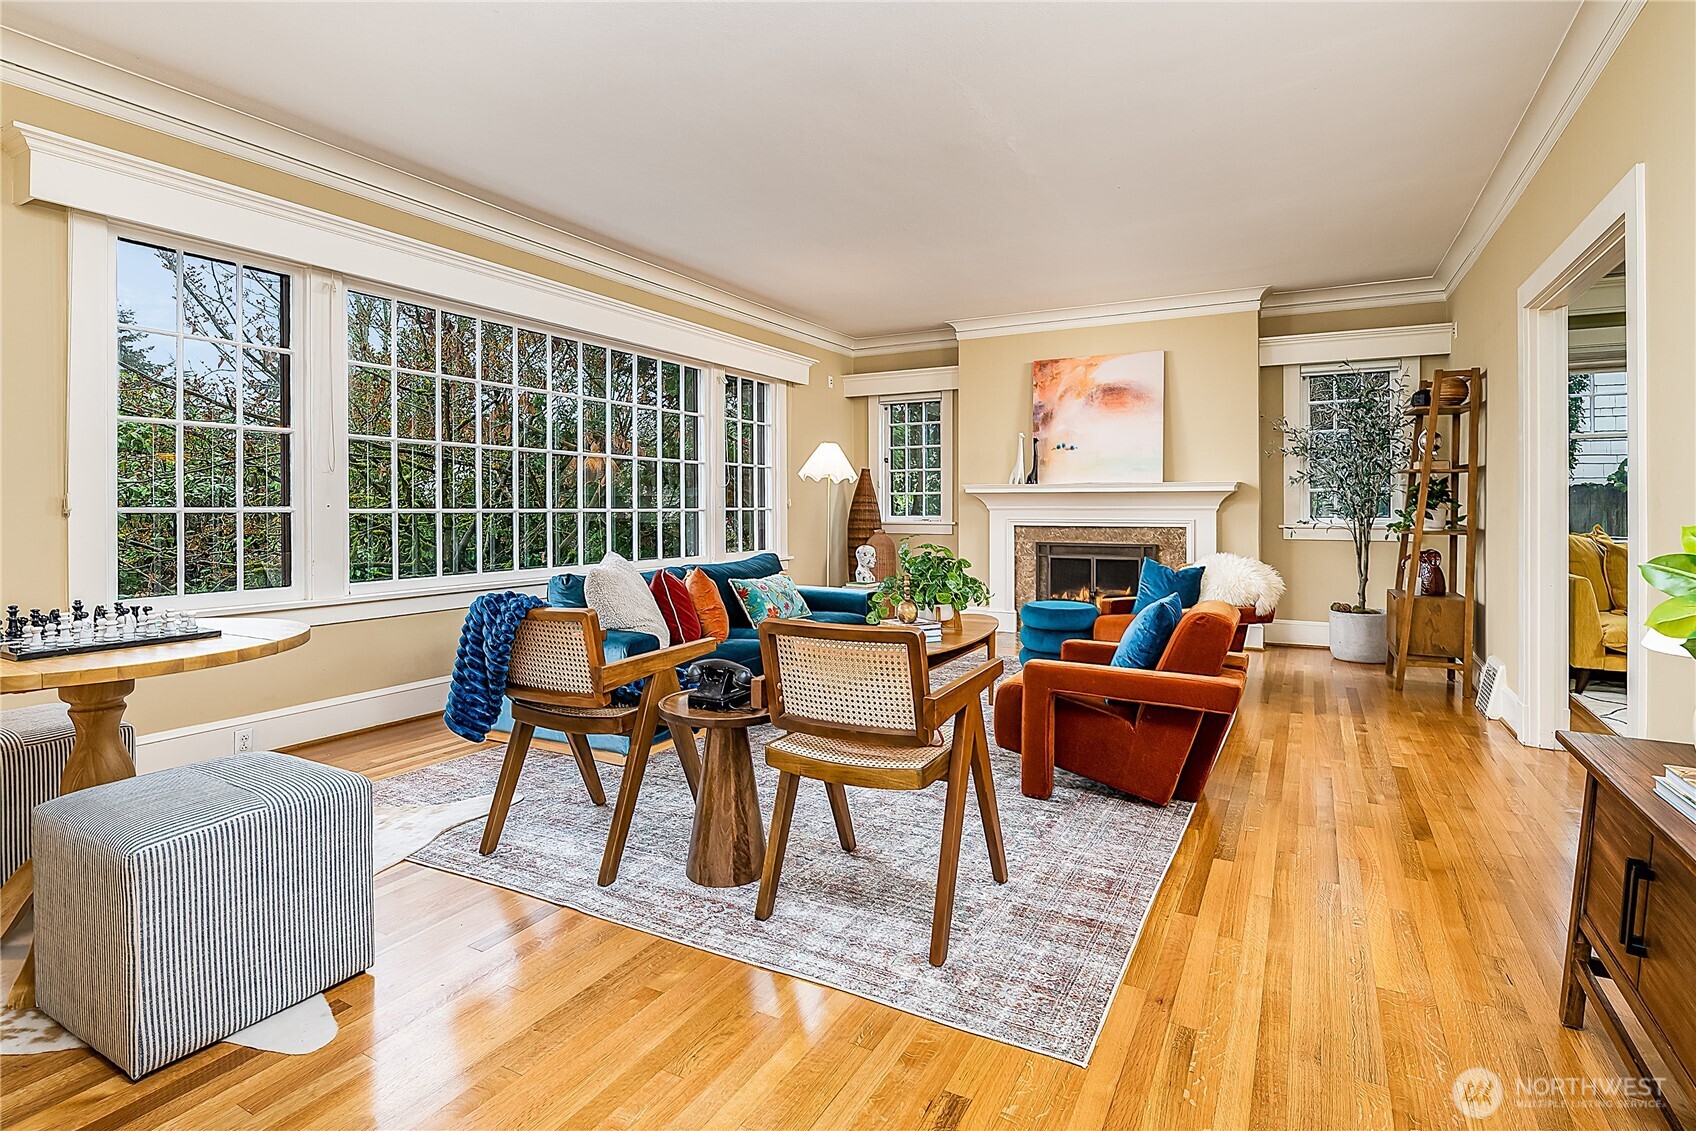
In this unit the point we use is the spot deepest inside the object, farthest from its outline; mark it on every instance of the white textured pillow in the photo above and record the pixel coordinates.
(1237, 580)
(621, 599)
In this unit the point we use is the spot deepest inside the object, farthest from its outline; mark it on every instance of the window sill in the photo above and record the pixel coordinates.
(937, 527)
(1307, 533)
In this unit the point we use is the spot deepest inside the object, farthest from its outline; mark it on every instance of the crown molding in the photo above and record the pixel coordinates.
(1431, 340)
(1111, 314)
(911, 341)
(1596, 31)
(1356, 296)
(45, 68)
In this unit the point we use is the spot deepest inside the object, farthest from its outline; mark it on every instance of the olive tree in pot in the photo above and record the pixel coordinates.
(1349, 467)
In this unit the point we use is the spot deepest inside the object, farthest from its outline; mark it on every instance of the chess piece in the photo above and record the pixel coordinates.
(865, 559)
(1432, 583)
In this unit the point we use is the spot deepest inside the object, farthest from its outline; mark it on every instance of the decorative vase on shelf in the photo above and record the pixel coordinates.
(1018, 475)
(1432, 583)
(1453, 390)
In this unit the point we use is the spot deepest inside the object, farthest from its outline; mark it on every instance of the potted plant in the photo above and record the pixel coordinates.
(1672, 623)
(932, 577)
(1442, 509)
(1351, 465)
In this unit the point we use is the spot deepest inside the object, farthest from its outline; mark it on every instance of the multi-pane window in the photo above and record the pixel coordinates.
(204, 356)
(748, 509)
(1326, 391)
(482, 446)
(1598, 421)
(912, 458)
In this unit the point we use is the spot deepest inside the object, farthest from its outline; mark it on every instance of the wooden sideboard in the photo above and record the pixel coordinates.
(1634, 901)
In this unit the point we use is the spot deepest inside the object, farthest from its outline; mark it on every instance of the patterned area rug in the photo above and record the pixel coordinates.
(1032, 963)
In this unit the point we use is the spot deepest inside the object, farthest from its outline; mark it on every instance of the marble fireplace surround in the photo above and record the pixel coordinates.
(1181, 518)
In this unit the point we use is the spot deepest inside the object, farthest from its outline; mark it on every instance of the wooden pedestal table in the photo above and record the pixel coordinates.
(96, 687)
(727, 844)
(975, 630)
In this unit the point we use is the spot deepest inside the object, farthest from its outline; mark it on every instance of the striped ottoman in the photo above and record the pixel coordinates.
(34, 745)
(1045, 625)
(174, 908)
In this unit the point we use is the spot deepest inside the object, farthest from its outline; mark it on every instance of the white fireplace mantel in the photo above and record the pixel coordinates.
(1191, 507)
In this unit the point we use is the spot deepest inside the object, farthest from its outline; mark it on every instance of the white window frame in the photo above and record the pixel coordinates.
(321, 592)
(1299, 523)
(877, 443)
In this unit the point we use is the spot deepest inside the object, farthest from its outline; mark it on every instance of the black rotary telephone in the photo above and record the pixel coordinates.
(719, 685)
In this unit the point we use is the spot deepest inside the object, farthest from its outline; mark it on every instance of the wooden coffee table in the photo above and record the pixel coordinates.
(727, 843)
(977, 630)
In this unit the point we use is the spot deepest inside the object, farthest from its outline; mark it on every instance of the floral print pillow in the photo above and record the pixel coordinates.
(774, 596)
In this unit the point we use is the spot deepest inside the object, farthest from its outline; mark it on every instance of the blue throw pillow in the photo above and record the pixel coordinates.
(1157, 581)
(1146, 637)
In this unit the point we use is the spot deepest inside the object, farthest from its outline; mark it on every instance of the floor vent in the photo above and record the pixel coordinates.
(1490, 689)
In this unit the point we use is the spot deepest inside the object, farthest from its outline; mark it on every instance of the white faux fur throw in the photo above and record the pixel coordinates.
(1237, 580)
(619, 596)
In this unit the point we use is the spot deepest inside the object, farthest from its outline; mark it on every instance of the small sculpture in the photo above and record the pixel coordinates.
(865, 563)
(1432, 583)
(1018, 475)
(1036, 460)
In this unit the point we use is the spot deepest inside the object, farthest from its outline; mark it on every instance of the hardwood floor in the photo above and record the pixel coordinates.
(1372, 898)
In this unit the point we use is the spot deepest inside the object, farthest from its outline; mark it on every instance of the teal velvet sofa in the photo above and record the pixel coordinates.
(835, 605)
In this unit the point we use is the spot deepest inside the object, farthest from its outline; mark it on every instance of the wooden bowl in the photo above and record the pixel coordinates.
(1453, 390)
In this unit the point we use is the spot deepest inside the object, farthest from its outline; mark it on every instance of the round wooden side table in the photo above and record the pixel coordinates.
(727, 844)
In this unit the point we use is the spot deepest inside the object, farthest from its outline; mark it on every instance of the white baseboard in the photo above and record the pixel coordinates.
(290, 726)
(1513, 712)
(1302, 633)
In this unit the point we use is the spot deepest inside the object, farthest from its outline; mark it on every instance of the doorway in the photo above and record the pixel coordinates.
(1598, 505)
(1581, 338)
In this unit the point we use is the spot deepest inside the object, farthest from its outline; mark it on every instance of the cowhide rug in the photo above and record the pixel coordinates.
(400, 830)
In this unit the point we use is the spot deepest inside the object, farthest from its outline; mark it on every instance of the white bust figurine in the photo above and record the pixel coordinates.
(864, 559)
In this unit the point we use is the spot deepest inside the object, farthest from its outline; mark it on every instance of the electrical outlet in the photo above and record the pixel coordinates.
(244, 740)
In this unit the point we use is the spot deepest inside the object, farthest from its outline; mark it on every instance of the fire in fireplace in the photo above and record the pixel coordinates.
(1076, 571)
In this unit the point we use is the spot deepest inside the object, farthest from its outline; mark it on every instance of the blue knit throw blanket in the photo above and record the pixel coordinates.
(485, 654)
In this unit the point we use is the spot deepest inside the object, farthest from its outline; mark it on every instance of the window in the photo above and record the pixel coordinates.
(483, 446)
(1597, 445)
(204, 400)
(1311, 399)
(911, 444)
(748, 446)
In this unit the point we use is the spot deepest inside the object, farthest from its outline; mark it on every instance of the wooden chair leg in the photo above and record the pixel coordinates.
(984, 779)
(518, 745)
(839, 810)
(948, 863)
(635, 764)
(585, 756)
(782, 809)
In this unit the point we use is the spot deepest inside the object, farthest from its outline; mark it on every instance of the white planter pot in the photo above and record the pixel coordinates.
(1358, 637)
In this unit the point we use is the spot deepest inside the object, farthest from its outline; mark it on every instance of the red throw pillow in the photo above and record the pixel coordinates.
(676, 606)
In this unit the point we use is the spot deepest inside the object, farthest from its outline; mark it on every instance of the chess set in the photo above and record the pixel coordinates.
(42, 636)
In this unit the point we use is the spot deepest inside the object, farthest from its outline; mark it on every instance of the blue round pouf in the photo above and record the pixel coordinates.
(1046, 641)
(1026, 655)
(1059, 616)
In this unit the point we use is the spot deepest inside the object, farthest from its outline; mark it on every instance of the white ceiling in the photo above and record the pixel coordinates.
(879, 167)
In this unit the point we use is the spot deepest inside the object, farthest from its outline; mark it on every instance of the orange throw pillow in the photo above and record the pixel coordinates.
(709, 605)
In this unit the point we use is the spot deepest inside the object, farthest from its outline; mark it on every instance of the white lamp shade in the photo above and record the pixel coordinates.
(827, 462)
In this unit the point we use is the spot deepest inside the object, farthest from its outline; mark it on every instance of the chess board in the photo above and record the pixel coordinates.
(40, 636)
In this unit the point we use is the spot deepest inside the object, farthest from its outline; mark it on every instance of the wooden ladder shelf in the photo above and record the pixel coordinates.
(1438, 631)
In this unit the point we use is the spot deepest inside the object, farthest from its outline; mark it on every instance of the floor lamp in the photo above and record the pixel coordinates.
(828, 463)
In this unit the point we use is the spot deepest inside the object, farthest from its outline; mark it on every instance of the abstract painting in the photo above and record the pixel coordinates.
(1100, 419)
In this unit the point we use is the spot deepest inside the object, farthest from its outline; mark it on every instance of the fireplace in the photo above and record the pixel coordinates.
(1088, 571)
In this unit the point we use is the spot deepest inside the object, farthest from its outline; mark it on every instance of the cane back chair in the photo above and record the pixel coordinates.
(858, 710)
(560, 680)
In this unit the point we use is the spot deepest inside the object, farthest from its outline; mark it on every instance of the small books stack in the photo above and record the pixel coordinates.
(1677, 787)
(933, 632)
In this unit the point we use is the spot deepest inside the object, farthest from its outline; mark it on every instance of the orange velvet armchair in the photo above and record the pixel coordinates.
(1154, 734)
(1116, 617)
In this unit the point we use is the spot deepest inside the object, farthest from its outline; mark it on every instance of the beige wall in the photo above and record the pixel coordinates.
(1212, 403)
(1319, 572)
(340, 659)
(1642, 109)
